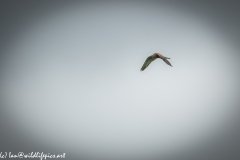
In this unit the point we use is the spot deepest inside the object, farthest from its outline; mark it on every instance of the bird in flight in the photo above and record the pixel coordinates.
(152, 58)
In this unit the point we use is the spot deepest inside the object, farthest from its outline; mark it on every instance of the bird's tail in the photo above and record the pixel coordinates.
(167, 58)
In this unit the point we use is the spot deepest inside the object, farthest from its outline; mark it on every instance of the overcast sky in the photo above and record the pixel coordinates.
(72, 82)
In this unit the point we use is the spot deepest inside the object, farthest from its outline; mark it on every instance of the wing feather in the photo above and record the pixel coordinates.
(166, 61)
(147, 62)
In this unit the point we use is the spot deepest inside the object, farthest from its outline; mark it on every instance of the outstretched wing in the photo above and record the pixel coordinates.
(147, 62)
(166, 61)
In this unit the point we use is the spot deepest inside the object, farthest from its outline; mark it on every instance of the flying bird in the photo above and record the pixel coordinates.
(152, 58)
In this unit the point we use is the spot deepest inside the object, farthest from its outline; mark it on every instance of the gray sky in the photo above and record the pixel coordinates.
(72, 80)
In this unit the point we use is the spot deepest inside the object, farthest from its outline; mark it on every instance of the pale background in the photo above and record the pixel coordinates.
(71, 80)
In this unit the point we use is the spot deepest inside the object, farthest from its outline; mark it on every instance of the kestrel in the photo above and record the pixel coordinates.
(152, 58)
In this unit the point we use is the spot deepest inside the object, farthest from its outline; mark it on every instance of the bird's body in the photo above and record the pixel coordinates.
(152, 58)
